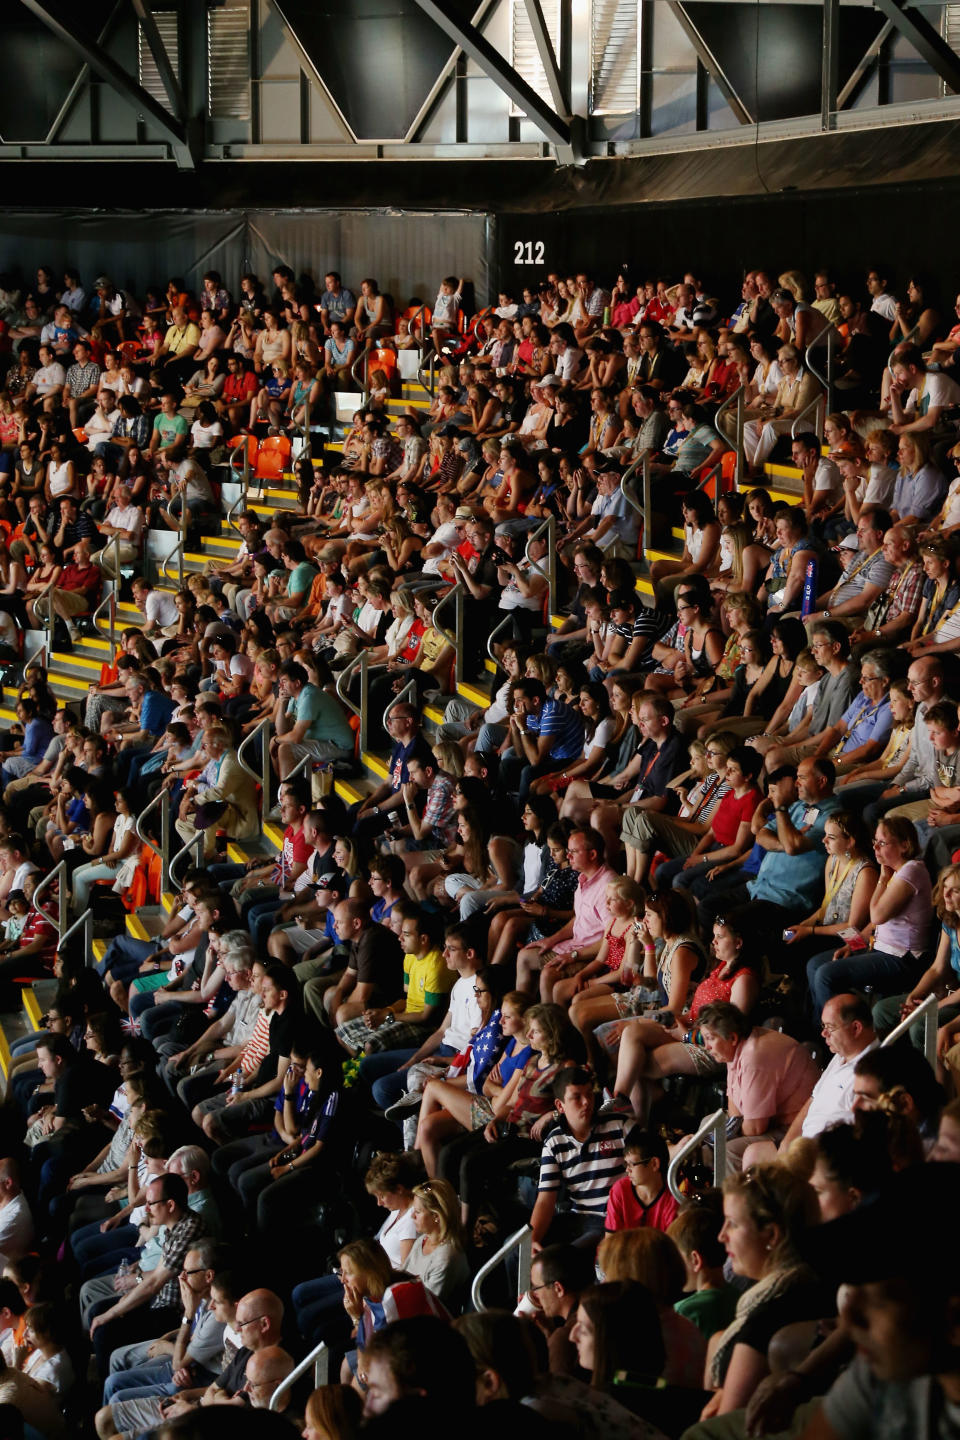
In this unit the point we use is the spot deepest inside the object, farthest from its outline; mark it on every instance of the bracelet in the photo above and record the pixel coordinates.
(288, 1097)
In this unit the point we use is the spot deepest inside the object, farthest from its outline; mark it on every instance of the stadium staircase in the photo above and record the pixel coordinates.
(70, 672)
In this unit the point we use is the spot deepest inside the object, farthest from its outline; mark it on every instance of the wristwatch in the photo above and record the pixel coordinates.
(574, 954)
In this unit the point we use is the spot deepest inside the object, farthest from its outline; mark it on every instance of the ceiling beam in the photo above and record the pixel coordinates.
(471, 42)
(444, 80)
(548, 57)
(310, 69)
(104, 66)
(710, 63)
(925, 40)
(161, 59)
(864, 66)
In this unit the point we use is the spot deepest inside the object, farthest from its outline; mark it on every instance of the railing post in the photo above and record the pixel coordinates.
(522, 1241)
(716, 1125)
(319, 1358)
(928, 1012)
(647, 503)
(364, 699)
(738, 468)
(165, 842)
(458, 631)
(266, 773)
(183, 535)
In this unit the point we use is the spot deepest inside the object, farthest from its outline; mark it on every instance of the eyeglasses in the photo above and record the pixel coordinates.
(197, 1270)
(829, 1029)
(477, 991)
(242, 1324)
(532, 1289)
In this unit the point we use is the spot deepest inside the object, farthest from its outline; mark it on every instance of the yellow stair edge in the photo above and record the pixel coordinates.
(662, 555)
(6, 714)
(98, 949)
(73, 682)
(236, 854)
(490, 666)
(103, 645)
(788, 472)
(230, 540)
(346, 792)
(83, 661)
(274, 834)
(678, 532)
(31, 1008)
(644, 587)
(168, 901)
(136, 928)
(409, 404)
(334, 445)
(374, 763)
(472, 692)
(4, 1054)
(558, 621)
(432, 713)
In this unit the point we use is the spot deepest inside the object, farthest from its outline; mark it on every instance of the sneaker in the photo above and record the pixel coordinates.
(74, 632)
(617, 1105)
(410, 1100)
(410, 1132)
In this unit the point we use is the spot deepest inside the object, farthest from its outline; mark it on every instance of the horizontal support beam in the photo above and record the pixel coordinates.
(925, 40)
(117, 78)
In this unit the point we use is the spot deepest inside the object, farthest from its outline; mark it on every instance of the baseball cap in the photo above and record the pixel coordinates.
(550, 380)
(846, 450)
(103, 282)
(336, 881)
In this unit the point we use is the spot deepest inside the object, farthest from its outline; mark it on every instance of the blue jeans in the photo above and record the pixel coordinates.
(124, 956)
(154, 1378)
(885, 974)
(381, 1072)
(318, 1307)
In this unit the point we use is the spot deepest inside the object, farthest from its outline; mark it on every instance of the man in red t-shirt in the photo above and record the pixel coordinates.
(32, 953)
(641, 1197)
(78, 589)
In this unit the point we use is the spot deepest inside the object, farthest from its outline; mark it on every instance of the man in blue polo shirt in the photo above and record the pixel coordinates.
(545, 735)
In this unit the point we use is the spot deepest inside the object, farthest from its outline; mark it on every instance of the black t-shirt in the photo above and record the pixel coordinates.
(378, 960)
(485, 573)
(283, 1025)
(234, 1377)
(84, 1082)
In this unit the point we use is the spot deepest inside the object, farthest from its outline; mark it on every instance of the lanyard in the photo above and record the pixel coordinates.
(835, 883)
(860, 565)
(941, 590)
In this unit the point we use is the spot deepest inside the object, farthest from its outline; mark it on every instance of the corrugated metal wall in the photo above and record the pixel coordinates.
(408, 254)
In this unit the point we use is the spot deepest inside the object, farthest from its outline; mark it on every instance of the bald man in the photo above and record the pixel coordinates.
(259, 1323)
(265, 1371)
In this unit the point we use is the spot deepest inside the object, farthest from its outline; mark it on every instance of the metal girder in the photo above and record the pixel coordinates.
(864, 66)
(548, 58)
(924, 39)
(557, 130)
(443, 81)
(107, 68)
(710, 63)
(83, 77)
(161, 59)
(830, 68)
(316, 79)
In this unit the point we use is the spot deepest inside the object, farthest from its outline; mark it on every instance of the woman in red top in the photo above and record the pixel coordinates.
(649, 1051)
(728, 838)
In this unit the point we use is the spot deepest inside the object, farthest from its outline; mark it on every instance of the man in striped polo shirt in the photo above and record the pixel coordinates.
(582, 1157)
(545, 735)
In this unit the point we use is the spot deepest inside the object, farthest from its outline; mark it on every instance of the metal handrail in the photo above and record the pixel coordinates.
(162, 798)
(195, 843)
(86, 921)
(241, 501)
(59, 872)
(358, 662)
(642, 506)
(319, 1358)
(521, 1240)
(813, 405)
(35, 659)
(175, 554)
(111, 602)
(507, 620)
(829, 338)
(739, 397)
(428, 380)
(453, 637)
(362, 380)
(263, 779)
(910, 335)
(715, 469)
(409, 692)
(715, 1125)
(550, 526)
(927, 1011)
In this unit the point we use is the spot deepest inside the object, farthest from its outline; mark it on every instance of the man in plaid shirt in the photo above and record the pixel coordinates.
(152, 1305)
(892, 617)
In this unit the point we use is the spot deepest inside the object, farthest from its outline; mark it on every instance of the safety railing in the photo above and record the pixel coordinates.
(829, 338)
(521, 1241)
(908, 339)
(928, 1012)
(243, 471)
(161, 799)
(407, 695)
(83, 922)
(363, 379)
(715, 1125)
(358, 665)
(738, 401)
(194, 846)
(263, 776)
(427, 373)
(40, 658)
(549, 570)
(176, 554)
(643, 504)
(811, 408)
(504, 624)
(453, 637)
(108, 603)
(58, 873)
(319, 1358)
(716, 469)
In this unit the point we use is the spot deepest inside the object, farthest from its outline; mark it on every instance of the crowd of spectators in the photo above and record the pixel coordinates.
(692, 853)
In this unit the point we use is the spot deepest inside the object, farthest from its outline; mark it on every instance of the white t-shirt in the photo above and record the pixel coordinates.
(569, 364)
(832, 1100)
(394, 1232)
(938, 390)
(130, 517)
(463, 1016)
(204, 435)
(56, 1371)
(446, 535)
(49, 378)
(161, 608)
(827, 477)
(16, 1228)
(878, 486)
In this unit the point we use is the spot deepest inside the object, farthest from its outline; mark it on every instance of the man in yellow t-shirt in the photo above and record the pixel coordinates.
(427, 981)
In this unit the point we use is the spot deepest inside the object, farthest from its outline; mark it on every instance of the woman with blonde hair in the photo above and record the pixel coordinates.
(437, 1257)
(741, 560)
(767, 1210)
(608, 971)
(449, 757)
(941, 977)
(542, 668)
(649, 1257)
(920, 485)
(795, 282)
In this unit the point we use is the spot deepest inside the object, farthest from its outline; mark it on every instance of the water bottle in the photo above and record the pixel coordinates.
(236, 1085)
(809, 589)
(123, 1270)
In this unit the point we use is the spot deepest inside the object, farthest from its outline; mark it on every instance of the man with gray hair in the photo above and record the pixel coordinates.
(223, 1040)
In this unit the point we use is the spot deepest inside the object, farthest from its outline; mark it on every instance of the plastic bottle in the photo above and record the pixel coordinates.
(236, 1084)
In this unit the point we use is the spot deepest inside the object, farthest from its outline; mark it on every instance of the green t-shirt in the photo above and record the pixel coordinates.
(710, 1310)
(326, 720)
(171, 428)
